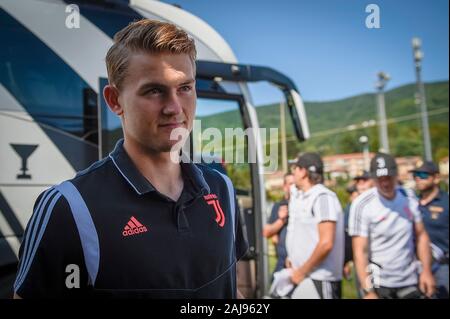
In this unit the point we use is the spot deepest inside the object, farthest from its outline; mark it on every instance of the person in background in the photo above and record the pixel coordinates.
(361, 183)
(433, 204)
(315, 237)
(276, 226)
(348, 258)
(387, 234)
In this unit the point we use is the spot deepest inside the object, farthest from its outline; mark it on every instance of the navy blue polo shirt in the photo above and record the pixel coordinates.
(129, 240)
(281, 246)
(435, 219)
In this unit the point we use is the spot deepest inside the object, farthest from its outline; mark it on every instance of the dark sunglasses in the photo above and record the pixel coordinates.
(421, 175)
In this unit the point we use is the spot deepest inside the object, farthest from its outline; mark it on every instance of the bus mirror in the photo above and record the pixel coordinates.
(298, 115)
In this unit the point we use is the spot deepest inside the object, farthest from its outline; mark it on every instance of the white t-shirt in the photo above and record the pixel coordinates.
(306, 211)
(389, 226)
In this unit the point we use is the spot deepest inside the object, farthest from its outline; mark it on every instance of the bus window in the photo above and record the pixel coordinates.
(90, 120)
(46, 87)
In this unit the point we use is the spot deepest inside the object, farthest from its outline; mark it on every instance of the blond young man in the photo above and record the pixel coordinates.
(138, 223)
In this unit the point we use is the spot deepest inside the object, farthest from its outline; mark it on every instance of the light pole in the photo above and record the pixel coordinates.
(383, 78)
(420, 98)
(364, 140)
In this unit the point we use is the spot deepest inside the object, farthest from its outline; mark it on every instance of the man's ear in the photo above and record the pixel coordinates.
(111, 95)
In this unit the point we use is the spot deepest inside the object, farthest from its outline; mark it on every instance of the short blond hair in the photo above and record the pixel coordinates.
(145, 36)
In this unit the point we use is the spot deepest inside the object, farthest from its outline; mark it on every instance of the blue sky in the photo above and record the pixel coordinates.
(324, 45)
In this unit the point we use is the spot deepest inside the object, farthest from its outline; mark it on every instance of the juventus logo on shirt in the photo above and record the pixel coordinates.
(212, 200)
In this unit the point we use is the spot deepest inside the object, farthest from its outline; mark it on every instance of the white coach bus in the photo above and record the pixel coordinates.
(52, 113)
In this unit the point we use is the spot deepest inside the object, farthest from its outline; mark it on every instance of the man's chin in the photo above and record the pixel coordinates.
(170, 147)
(388, 194)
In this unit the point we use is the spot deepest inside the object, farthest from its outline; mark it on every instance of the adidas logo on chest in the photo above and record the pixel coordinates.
(133, 228)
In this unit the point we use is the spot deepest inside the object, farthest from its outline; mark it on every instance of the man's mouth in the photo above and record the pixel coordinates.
(173, 125)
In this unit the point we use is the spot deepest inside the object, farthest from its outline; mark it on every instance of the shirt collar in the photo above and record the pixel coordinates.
(437, 197)
(194, 174)
(141, 185)
(311, 190)
(129, 171)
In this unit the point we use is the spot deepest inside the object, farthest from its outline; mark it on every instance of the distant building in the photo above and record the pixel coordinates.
(345, 166)
(405, 165)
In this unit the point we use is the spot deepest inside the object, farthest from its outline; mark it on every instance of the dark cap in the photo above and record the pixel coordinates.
(351, 189)
(312, 162)
(426, 167)
(383, 165)
(362, 175)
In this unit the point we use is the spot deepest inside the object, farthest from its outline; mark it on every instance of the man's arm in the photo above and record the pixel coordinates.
(273, 229)
(427, 283)
(361, 261)
(327, 231)
(43, 258)
(358, 228)
(274, 226)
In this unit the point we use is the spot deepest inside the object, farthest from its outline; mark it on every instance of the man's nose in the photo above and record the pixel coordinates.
(172, 105)
(387, 184)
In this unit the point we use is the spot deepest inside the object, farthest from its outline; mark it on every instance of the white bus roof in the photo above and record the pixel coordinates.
(44, 18)
(210, 44)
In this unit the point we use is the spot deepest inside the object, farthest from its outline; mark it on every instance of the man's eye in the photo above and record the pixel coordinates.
(154, 91)
(186, 88)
